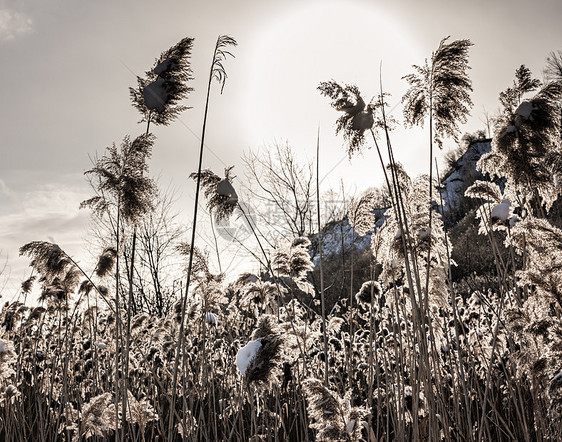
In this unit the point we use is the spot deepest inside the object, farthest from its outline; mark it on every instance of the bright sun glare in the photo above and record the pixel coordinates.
(340, 40)
(337, 40)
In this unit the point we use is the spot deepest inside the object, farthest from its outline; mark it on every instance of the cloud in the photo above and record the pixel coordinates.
(6, 190)
(48, 210)
(14, 24)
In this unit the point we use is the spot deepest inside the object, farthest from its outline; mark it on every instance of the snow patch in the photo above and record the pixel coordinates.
(246, 355)
(362, 121)
(501, 211)
(525, 110)
(508, 130)
(224, 188)
(342, 234)
(210, 319)
(155, 95)
(514, 219)
(251, 278)
(352, 108)
(453, 185)
(164, 66)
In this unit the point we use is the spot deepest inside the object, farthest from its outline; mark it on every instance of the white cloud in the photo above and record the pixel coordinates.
(14, 24)
(6, 190)
(48, 210)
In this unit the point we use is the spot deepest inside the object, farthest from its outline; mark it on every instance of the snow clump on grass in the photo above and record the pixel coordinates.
(246, 355)
(501, 211)
(155, 95)
(210, 318)
(525, 110)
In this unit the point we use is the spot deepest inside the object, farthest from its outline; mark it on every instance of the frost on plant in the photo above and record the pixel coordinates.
(292, 262)
(332, 416)
(526, 148)
(388, 242)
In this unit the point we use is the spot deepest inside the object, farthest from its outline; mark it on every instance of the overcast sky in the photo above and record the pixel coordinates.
(67, 66)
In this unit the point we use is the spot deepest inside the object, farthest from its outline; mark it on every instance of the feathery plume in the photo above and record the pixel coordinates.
(441, 86)
(356, 119)
(333, 417)
(360, 212)
(158, 94)
(262, 354)
(370, 290)
(221, 196)
(121, 180)
(106, 262)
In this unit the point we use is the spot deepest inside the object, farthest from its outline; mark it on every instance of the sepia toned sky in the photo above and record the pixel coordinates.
(67, 66)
